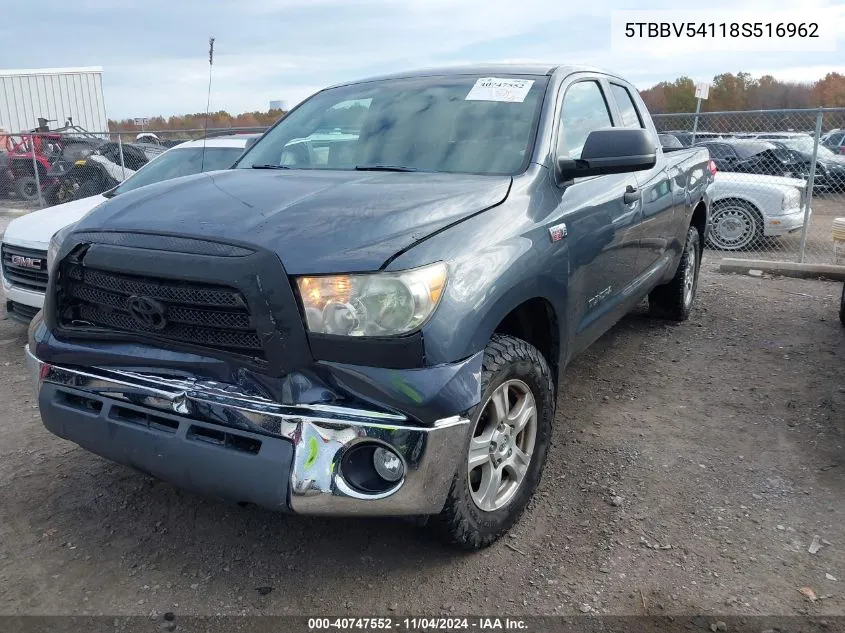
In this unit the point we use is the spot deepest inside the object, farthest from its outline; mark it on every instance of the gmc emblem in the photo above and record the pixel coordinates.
(26, 262)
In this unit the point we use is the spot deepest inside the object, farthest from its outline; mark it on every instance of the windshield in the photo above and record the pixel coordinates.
(804, 146)
(457, 124)
(178, 162)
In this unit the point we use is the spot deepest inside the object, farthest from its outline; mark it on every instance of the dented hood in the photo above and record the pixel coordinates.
(316, 221)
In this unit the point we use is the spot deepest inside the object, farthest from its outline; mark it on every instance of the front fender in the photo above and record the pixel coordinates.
(484, 288)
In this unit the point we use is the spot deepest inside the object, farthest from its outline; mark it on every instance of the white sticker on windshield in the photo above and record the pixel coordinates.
(499, 89)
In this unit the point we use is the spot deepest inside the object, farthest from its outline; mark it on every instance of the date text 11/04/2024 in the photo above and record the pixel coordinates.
(722, 29)
(418, 624)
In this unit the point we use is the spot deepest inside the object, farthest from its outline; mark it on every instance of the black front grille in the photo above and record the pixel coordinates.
(25, 267)
(204, 315)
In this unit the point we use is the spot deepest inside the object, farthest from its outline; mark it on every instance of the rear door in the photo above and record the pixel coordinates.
(654, 229)
(599, 219)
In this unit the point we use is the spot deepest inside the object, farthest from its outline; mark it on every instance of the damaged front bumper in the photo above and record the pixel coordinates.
(217, 440)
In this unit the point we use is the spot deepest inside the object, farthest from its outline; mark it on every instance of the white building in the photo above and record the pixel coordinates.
(55, 94)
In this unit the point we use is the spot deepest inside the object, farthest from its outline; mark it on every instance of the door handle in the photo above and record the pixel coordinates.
(631, 195)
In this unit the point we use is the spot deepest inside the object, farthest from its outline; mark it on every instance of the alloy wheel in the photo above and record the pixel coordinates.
(689, 273)
(502, 445)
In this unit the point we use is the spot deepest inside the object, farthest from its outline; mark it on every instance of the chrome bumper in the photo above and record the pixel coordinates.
(320, 435)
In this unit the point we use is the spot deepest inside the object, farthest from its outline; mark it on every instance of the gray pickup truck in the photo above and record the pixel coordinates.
(369, 314)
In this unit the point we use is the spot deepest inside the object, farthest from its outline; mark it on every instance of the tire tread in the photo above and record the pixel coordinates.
(453, 525)
(667, 300)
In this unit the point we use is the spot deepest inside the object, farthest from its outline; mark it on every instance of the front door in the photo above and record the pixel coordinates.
(601, 214)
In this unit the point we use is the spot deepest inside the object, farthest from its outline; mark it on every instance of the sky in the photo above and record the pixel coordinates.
(154, 53)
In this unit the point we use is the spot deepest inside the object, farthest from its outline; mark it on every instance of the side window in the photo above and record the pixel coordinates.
(627, 107)
(584, 110)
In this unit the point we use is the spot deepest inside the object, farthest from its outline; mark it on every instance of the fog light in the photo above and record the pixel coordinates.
(388, 465)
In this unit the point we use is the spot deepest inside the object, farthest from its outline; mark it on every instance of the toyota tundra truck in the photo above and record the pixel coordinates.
(371, 311)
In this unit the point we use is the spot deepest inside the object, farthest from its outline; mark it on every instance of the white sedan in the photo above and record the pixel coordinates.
(748, 207)
(27, 239)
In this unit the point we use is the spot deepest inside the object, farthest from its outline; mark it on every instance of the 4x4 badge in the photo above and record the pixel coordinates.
(557, 232)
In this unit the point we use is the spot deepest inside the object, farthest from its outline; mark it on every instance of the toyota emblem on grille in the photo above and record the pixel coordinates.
(147, 313)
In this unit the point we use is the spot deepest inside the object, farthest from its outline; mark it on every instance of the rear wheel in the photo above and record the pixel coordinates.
(675, 299)
(26, 188)
(505, 450)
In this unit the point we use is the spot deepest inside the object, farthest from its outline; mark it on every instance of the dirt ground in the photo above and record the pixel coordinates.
(693, 465)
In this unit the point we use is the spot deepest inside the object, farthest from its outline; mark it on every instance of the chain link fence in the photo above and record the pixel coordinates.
(780, 185)
(42, 169)
(779, 189)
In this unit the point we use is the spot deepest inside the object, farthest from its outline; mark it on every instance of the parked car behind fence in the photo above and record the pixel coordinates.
(790, 138)
(835, 141)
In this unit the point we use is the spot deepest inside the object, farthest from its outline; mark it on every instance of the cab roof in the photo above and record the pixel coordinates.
(483, 69)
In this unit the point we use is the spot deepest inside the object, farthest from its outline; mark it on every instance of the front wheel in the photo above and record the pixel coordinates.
(735, 226)
(505, 449)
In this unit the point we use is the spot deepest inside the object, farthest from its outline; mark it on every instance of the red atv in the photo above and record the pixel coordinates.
(20, 150)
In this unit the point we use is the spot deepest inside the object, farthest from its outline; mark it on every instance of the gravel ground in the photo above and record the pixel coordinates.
(693, 465)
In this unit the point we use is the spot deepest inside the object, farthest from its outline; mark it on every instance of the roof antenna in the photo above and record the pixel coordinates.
(208, 101)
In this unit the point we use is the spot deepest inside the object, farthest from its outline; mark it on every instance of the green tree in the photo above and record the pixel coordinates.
(680, 95)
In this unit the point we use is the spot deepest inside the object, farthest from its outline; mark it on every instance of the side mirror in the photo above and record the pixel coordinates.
(610, 151)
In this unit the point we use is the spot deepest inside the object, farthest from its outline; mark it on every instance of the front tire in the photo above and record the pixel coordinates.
(506, 448)
(675, 299)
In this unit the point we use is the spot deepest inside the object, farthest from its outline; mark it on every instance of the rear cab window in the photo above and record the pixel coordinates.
(627, 108)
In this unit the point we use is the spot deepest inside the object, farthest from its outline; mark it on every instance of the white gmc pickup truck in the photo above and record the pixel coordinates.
(27, 239)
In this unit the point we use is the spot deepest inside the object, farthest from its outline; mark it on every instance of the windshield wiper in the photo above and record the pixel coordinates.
(383, 168)
(270, 167)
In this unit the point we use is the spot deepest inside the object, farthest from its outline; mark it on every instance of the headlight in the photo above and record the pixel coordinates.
(55, 245)
(377, 304)
(791, 199)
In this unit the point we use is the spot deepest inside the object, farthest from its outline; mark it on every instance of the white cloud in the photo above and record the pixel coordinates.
(799, 73)
(288, 49)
